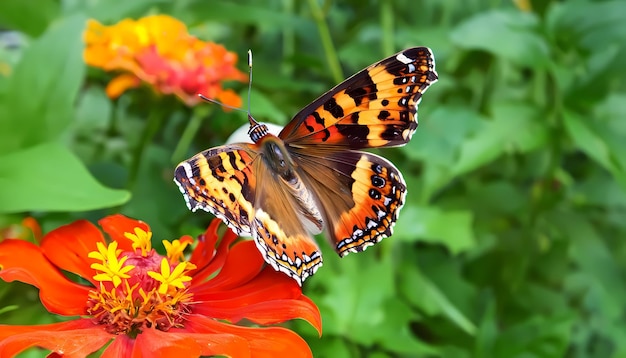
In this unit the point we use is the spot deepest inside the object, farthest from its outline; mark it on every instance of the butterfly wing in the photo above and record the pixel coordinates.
(360, 194)
(279, 232)
(222, 181)
(376, 107)
(232, 183)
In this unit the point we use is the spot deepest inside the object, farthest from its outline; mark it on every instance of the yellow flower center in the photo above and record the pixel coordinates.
(140, 289)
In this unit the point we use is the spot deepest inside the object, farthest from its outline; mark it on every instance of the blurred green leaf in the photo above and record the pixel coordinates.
(424, 294)
(513, 35)
(536, 337)
(515, 127)
(239, 13)
(40, 98)
(23, 16)
(594, 145)
(49, 177)
(108, 11)
(452, 229)
(571, 23)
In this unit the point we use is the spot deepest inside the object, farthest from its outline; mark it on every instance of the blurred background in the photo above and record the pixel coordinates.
(511, 240)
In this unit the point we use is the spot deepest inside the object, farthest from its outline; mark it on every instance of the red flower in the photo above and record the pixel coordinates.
(147, 304)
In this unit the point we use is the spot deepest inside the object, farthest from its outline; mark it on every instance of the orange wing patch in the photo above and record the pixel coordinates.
(378, 192)
(376, 107)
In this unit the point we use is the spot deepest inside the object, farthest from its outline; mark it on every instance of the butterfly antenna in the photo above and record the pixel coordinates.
(220, 103)
(257, 130)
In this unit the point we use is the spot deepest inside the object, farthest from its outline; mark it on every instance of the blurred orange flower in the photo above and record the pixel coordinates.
(144, 304)
(158, 50)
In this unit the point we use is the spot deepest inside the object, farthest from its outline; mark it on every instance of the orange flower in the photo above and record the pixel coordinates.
(147, 304)
(158, 50)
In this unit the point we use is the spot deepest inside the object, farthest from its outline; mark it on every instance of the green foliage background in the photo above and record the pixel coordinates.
(511, 240)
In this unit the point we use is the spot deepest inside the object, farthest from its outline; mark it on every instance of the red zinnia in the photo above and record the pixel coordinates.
(147, 304)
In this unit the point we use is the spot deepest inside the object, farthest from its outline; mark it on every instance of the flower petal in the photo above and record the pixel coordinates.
(271, 297)
(122, 346)
(116, 225)
(68, 246)
(120, 84)
(23, 261)
(155, 343)
(206, 258)
(76, 338)
(262, 342)
(242, 264)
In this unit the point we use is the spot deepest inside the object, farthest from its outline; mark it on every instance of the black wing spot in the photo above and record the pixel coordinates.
(333, 108)
(378, 181)
(374, 194)
(383, 115)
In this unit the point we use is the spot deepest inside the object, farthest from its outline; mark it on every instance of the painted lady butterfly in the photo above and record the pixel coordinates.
(282, 189)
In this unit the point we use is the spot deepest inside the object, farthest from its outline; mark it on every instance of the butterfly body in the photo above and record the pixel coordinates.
(312, 177)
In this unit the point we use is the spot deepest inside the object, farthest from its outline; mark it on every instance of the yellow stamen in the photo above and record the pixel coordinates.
(111, 269)
(141, 240)
(174, 279)
(175, 249)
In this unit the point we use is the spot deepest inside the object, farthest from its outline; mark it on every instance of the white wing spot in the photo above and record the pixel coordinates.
(402, 58)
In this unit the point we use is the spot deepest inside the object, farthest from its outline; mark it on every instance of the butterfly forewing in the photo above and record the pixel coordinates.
(222, 181)
(374, 108)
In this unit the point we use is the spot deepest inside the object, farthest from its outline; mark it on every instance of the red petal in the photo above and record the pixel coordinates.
(122, 346)
(155, 343)
(271, 297)
(205, 250)
(206, 268)
(262, 342)
(23, 261)
(118, 224)
(266, 313)
(242, 264)
(68, 246)
(72, 339)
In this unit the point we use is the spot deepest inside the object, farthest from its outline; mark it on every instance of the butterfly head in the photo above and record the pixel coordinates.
(257, 130)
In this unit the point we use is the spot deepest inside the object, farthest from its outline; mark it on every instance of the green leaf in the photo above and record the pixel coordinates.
(48, 177)
(41, 93)
(512, 35)
(452, 229)
(515, 127)
(595, 145)
(238, 14)
(571, 23)
(425, 294)
(24, 17)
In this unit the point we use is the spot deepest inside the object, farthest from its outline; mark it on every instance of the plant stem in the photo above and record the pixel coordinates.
(199, 113)
(327, 42)
(155, 119)
(386, 25)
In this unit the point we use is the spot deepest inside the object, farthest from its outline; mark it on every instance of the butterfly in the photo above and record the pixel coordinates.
(281, 190)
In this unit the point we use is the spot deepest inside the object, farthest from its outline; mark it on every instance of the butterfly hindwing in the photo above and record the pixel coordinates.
(360, 194)
(376, 107)
(278, 229)
(222, 181)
